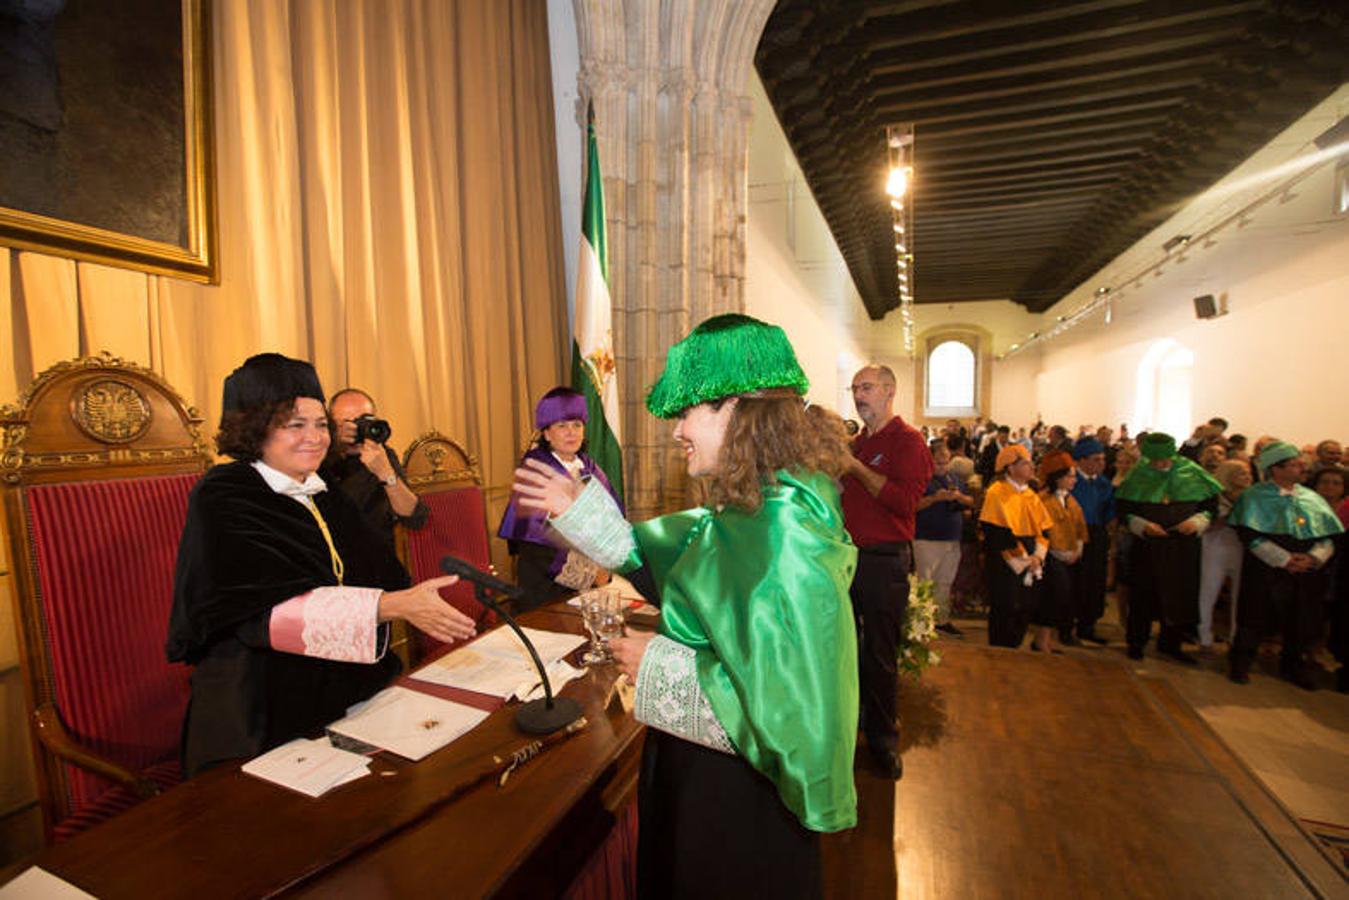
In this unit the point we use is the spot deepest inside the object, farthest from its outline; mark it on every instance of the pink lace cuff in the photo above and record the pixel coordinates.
(337, 623)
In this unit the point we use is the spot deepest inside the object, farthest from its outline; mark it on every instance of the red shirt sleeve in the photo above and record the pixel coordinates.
(907, 471)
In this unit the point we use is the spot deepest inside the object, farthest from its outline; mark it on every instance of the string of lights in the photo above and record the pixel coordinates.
(1105, 297)
(898, 184)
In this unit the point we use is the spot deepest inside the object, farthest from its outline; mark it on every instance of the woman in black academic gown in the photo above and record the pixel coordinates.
(281, 596)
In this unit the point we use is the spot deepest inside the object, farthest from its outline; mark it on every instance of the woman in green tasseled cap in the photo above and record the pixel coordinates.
(750, 688)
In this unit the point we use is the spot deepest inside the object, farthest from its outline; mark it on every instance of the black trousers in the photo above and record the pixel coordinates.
(711, 826)
(1165, 587)
(880, 602)
(1054, 607)
(1090, 577)
(1277, 601)
(1010, 602)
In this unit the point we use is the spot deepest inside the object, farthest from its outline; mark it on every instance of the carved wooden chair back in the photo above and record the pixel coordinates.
(448, 479)
(98, 457)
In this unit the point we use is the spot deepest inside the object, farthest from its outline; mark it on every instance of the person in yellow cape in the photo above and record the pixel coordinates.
(749, 690)
(1015, 525)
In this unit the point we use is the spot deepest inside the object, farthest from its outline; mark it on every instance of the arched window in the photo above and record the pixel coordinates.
(950, 379)
(1163, 388)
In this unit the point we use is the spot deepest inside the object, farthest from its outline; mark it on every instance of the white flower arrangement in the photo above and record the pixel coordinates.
(916, 649)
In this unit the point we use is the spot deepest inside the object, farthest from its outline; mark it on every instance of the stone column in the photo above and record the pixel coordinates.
(667, 79)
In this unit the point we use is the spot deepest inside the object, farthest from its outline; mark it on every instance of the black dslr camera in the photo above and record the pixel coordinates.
(369, 428)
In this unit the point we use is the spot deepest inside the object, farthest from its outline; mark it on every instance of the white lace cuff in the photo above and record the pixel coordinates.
(595, 526)
(1322, 551)
(336, 622)
(670, 699)
(578, 572)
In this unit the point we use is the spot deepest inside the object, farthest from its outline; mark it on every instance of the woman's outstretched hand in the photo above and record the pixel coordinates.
(541, 487)
(422, 606)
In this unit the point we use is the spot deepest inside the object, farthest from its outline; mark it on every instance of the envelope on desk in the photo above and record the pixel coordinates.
(311, 767)
(408, 723)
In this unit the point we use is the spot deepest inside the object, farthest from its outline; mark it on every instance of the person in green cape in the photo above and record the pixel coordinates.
(1288, 531)
(1167, 502)
(749, 690)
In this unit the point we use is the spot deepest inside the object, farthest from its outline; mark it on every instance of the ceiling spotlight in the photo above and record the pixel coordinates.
(897, 185)
(1333, 136)
(1179, 240)
(1102, 291)
(899, 229)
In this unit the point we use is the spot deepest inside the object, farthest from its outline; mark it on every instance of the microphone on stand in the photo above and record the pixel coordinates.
(537, 716)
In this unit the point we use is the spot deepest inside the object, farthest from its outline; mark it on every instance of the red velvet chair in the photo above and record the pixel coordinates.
(448, 480)
(99, 456)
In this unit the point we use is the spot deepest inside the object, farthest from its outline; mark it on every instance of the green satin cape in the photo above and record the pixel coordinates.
(1304, 515)
(1185, 482)
(763, 600)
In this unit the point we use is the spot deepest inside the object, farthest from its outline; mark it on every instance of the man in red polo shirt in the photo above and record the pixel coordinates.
(890, 468)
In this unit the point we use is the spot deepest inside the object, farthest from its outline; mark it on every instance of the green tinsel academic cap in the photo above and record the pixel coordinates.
(1157, 445)
(725, 356)
(1275, 453)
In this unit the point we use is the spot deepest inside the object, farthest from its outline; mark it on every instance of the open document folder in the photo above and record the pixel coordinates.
(498, 663)
(406, 722)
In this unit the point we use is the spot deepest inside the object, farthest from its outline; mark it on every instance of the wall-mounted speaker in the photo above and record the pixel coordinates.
(1206, 307)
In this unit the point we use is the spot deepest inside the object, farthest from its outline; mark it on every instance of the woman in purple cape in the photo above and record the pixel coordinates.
(545, 567)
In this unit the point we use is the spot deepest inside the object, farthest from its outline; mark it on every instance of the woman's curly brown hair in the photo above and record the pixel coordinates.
(768, 432)
(243, 431)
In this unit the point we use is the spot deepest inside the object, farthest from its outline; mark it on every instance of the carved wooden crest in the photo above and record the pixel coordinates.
(111, 410)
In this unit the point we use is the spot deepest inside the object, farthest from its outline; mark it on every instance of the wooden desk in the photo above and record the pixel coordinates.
(407, 830)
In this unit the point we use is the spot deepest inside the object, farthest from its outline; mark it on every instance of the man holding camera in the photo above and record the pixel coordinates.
(363, 467)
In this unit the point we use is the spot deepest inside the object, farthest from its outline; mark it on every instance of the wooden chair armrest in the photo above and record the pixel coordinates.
(51, 731)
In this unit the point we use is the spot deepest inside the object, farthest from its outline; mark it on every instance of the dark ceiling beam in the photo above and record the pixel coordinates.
(899, 89)
(1198, 16)
(1035, 164)
(960, 109)
(1047, 152)
(1075, 116)
(943, 205)
(995, 177)
(972, 22)
(1044, 181)
(1198, 43)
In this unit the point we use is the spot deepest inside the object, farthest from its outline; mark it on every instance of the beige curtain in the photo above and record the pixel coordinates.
(388, 208)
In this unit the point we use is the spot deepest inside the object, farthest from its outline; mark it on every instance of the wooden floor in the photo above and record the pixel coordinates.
(1066, 776)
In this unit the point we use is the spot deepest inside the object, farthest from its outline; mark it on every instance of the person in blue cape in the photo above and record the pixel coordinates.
(545, 566)
(1289, 532)
(749, 691)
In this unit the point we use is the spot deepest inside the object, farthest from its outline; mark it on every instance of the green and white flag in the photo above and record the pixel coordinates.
(593, 370)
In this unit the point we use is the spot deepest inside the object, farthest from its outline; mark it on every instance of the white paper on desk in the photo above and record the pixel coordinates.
(559, 673)
(311, 767)
(39, 884)
(498, 663)
(407, 722)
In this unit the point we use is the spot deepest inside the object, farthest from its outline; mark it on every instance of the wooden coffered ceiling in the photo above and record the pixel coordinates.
(1050, 134)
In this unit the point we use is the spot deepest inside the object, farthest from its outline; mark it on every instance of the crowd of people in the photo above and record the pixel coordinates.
(1050, 519)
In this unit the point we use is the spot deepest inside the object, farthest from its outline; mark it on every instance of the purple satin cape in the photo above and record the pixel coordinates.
(520, 525)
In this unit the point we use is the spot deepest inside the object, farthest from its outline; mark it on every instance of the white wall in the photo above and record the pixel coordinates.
(794, 273)
(1015, 392)
(1274, 363)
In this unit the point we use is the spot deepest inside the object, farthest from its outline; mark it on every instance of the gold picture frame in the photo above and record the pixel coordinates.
(99, 169)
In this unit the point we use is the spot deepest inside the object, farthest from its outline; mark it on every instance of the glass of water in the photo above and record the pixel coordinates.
(602, 613)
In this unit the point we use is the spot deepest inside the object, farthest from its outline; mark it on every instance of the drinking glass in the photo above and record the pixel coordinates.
(602, 613)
